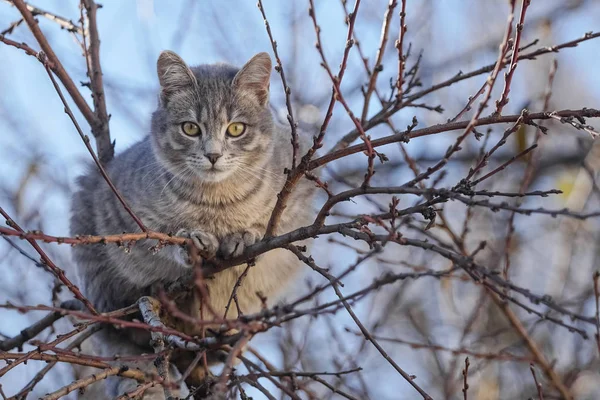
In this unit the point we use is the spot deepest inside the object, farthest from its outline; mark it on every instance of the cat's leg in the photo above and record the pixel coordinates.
(110, 343)
(205, 242)
(235, 244)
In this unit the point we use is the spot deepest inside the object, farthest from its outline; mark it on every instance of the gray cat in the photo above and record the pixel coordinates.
(210, 170)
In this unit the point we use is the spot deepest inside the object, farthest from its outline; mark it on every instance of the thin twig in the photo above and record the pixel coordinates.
(286, 88)
(30, 332)
(64, 23)
(399, 47)
(446, 127)
(595, 278)
(58, 68)
(100, 130)
(85, 382)
(465, 374)
(538, 385)
(22, 395)
(293, 177)
(49, 264)
(385, 113)
(514, 59)
(86, 141)
(378, 66)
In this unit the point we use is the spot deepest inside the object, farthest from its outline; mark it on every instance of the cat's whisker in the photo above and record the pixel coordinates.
(148, 165)
(259, 178)
(158, 166)
(157, 178)
(181, 174)
(262, 169)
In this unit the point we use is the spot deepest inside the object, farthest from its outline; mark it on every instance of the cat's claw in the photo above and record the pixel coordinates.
(235, 244)
(206, 243)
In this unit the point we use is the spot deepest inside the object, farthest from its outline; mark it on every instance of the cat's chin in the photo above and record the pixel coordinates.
(214, 176)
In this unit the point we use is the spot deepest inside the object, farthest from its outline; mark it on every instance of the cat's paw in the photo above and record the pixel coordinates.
(235, 244)
(206, 243)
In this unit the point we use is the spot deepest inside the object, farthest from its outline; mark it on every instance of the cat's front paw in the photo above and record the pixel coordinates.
(206, 243)
(235, 244)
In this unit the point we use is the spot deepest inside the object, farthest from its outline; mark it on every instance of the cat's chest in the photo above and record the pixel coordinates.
(222, 220)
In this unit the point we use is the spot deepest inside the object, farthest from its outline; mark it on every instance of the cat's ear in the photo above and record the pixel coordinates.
(254, 77)
(173, 74)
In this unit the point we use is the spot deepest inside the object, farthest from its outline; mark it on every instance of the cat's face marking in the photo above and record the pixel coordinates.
(212, 98)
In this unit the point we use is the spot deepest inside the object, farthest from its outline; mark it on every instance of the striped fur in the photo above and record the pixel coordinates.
(165, 178)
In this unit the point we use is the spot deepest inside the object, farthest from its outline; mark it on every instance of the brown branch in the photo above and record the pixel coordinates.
(490, 82)
(369, 337)
(378, 67)
(286, 88)
(150, 309)
(451, 126)
(12, 27)
(30, 332)
(409, 160)
(100, 130)
(134, 394)
(121, 239)
(132, 373)
(339, 97)
(463, 351)
(469, 104)
(250, 365)
(185, 341)
(60, 338)
(86, 141)
(25, 47)
(312, 375)
(22, 395)
(533, 348)
(595, 279)
(505, 164)
(538, 385)
(317, 228)
(293, 177)
(483, 160)
(514, 59)
(528, 56)
(401, 58)
(335, 285)
(87, 381)
(238, 283)
(385, 113)
(465, 374)
(532, 163)
(64, 23)
(58, 69)
(97, 119)
(577, 125)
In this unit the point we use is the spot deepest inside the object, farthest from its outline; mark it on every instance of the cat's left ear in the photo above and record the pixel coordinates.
(254, 77)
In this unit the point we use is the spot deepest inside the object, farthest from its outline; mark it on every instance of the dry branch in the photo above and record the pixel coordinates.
(413, 216)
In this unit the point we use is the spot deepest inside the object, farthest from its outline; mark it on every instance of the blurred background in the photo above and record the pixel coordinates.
(426, 325)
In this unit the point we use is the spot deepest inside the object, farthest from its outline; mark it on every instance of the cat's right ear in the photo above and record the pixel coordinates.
(254, 78)
(173, 75)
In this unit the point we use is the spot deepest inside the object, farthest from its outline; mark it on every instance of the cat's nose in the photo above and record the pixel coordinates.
(213, 157)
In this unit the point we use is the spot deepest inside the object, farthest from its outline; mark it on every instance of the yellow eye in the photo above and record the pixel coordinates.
(236, 129)
(190, 129)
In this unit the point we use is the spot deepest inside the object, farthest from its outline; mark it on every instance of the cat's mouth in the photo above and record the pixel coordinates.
(214, 174)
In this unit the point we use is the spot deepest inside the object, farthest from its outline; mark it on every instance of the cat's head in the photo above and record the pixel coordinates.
(213, 121)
